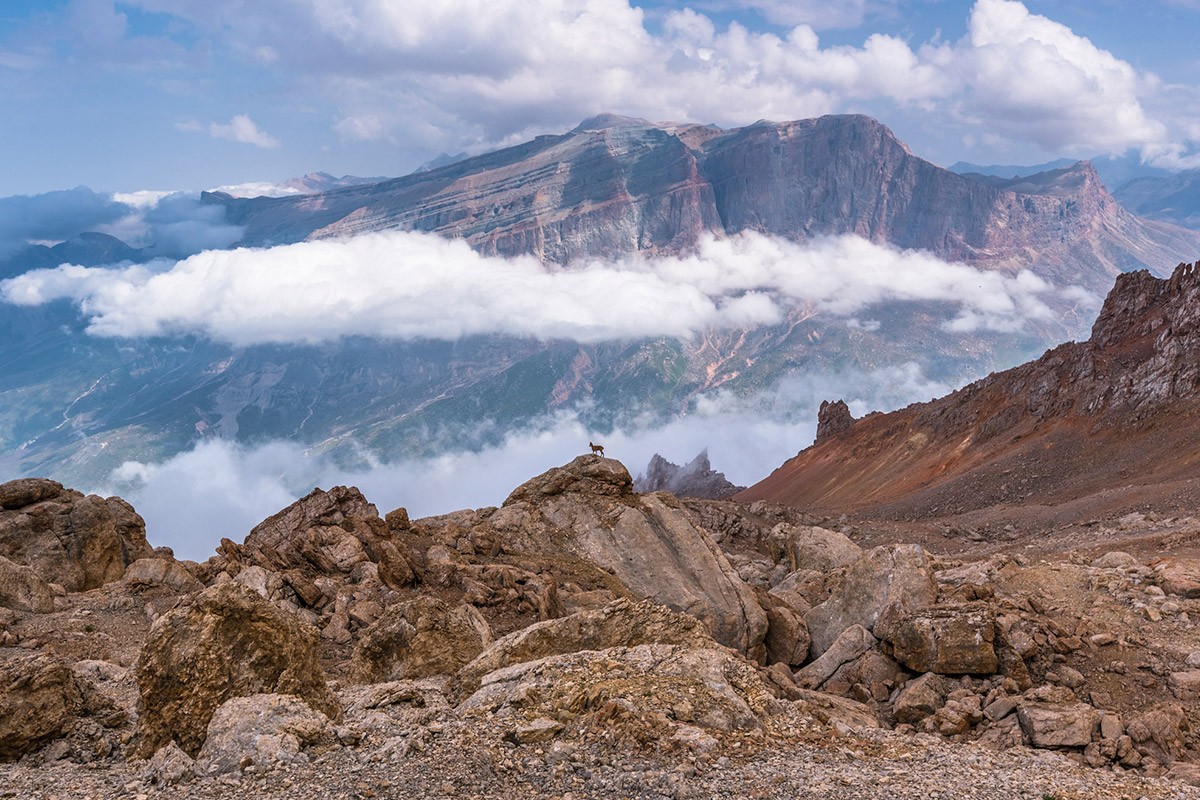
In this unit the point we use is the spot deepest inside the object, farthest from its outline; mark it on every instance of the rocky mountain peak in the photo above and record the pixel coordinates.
(697, 478)
(607, 120)
(833, 419)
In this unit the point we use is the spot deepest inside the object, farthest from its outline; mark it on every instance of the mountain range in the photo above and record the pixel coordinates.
(76, 406)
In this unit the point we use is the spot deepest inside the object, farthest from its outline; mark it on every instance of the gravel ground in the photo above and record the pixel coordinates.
(461, 758)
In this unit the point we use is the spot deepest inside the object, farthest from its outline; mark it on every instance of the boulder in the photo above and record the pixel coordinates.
(322, 542)
(1053, 725)
(920, 698)
(162, 572)
(787, 639)
(22, 589)
(588, 510)
(815, 548)
(853, 642)
(1179, 576)
(946, 640)
(1114, 559)
(169, 766)
(871, 676)
(620, 624)
(264, 730)
(40, 699)
(75, 541)
(224, 642)
(647, 685)
(887, 583)
(419, 638)
(1185, 685)
(1159, 732)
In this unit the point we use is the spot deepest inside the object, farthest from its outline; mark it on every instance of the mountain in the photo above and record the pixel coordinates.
(317, 182)
(1008, 170)
(1173, 198)
(616, 185)
(1108, 425)
(1114, 171)
(86, 250)
(75, 406)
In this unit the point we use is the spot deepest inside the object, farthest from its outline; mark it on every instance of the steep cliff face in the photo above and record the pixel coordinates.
(594, 191)
(615, 186)
(1119, 411)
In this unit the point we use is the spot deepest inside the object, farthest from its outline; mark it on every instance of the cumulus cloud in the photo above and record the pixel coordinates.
(222, 489)
(242, 129)
(458, 73)
(405, 285)
(1031, 76)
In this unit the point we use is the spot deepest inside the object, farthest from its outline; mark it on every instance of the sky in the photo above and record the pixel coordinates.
(194, 94)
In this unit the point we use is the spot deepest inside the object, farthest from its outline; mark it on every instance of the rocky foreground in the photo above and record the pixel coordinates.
(583, 640)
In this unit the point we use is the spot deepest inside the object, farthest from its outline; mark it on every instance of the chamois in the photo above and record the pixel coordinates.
(597, 449)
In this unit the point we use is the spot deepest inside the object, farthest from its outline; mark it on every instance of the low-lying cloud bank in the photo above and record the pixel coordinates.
(406, 285)
(221, 489)
(168, 225)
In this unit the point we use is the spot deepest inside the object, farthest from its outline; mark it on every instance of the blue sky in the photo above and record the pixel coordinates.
(193, 94)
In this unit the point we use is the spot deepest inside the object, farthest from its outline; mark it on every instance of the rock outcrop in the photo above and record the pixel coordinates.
(225, 642)
(68, 539)
(833, 419)
(697, 478)
(588, 510)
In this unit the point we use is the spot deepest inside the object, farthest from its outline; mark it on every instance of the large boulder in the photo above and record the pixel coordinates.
(647, 684)
(419, 638)
(263, 730)
(588, 510)
(853, 642)
(946, 640)
(1058, 724)
(225, 642)
(22, 589)
(820, 549)
(322, 543)
(886, 584)
(40, 699)
(619, 624)
(75, 541)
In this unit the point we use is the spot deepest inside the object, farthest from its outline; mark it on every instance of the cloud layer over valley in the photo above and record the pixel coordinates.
(403, 285)
(222, 489)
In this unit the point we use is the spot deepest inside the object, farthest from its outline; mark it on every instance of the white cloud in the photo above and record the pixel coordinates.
(411, 286)
(459, 73)
(242, 129)
(221, 489)
(1033, 77)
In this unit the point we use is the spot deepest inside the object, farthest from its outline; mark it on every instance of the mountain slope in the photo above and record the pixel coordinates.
(615, 186)
(1107, 424)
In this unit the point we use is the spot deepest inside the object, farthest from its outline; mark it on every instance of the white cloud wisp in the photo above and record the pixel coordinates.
(401, 285)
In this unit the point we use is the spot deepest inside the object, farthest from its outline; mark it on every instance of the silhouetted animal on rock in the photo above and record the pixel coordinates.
(597, 449)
